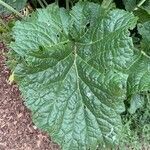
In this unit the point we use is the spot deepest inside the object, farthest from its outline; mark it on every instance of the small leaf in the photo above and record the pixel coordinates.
(136, 102)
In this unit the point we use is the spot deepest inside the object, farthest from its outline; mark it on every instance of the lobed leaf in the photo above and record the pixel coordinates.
(75, 71)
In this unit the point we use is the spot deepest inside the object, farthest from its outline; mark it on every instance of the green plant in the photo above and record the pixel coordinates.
(5, 29)
(84, 73)
(7, 6)
(140, 8)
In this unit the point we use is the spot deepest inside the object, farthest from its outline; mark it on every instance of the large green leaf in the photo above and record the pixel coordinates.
(16, 4)
(146, 6)
(142, 15)
(139, 77)
(73, 72)
(142, 11)
(138, 80)
(130, 5)
(144, 30)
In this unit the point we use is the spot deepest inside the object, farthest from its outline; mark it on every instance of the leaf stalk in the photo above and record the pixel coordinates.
(41, 4)
(67, 4)
(140, 4)
(10, 8)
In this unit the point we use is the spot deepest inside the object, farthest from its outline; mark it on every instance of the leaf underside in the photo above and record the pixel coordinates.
(75, 72)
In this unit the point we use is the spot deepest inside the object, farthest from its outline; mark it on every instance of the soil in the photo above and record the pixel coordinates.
(17, 132)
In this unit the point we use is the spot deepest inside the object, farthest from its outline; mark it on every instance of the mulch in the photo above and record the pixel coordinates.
(17, 132)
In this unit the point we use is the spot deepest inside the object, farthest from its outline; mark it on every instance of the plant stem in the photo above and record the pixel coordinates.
(139, 4)
(56, 1)
(71, 3)
(10, 8)
(145, 54)
(41, 4)
(67, 4)
(46, 4)
(106, 3)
